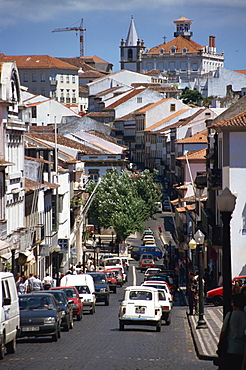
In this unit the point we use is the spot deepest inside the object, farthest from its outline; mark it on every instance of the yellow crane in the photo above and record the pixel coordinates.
(81, 30)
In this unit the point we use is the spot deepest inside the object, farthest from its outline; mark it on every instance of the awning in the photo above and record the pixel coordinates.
(28, 257)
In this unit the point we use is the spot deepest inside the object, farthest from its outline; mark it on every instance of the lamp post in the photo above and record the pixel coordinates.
(199, 238)
(185, 247)
(57, 250)
(226, 203)
(192, 245)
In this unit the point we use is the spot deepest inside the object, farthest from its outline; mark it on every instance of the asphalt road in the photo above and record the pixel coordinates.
(96, 343)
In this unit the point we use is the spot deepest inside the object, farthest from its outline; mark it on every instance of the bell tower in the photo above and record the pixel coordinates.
(131, 50)
(183, 28)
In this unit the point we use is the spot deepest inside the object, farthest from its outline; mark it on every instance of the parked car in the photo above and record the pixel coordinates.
(40, 315)
(145, 263)
(215, 296)
(102, 290)
(112, 280)
(140, 306)
(73, 297)
(9, 314)
(66, 308)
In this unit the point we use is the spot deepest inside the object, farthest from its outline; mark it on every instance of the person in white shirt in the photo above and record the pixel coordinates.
(47, 282)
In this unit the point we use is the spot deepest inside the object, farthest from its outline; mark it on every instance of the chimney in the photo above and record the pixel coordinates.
(212, 47)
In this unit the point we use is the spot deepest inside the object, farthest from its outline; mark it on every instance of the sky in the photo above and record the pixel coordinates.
(26, 26)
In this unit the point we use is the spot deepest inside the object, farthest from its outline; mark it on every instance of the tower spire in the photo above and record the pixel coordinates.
(132, 37)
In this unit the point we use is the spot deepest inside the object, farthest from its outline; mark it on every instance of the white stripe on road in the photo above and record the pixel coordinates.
(133, 275)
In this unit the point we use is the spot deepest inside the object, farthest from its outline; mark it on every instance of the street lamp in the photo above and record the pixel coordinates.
(57, 250)
(185, 247)
(192, 245)
(226, 203)
(199, 238)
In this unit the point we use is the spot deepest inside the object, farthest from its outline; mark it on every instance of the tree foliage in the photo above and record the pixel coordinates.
(125, 201)
(191, 96)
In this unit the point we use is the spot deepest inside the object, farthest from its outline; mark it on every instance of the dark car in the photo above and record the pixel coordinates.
(102, 290)
(40, 315)
(66, 308)
(73, 297)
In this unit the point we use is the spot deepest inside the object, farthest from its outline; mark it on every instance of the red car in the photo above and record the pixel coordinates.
(112, 280)
(73, 296)
(215, 296)
(146, 263)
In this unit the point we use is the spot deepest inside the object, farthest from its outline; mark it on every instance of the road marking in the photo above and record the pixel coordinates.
(133, 275)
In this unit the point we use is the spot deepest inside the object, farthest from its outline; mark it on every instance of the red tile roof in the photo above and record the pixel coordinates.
(179, 43)
(194, 155)
(122, 100)
(37, 61)
(200, 137)
(238, 121)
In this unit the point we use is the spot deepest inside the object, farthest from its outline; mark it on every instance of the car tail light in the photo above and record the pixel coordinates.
(165, 308)
(124, 310)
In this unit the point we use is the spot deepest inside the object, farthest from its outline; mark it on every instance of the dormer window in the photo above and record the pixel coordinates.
(162, 51)
(173, 49)
(184, 50)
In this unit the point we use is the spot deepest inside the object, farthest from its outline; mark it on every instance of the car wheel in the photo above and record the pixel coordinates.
(2, 350)
(158, 327)
(11, 346)
(55, 336)
(59, 332)
(218, 300)
(79, 316)
(122, 326)
(168, 320)
(107, 301)
(115, 290)
(92, 310)
(71, 323)
(67, 324)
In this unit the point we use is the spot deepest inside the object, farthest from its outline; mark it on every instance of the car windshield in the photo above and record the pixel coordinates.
(140, 295)
(37, 302)
(98, 278)
(59, 296)
(83, 289)
(147, 261)
(70, 293)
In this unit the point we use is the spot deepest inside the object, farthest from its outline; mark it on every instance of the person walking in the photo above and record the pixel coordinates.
(21, 285)
(47, 282)
(30, 282)
(37, 283)
(192, 288)
(235, 326)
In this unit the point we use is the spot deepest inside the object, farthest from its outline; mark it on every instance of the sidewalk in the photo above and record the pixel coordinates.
(206, 339)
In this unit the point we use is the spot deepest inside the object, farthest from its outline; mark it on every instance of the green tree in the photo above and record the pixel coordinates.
(191, 96)
(124, 201)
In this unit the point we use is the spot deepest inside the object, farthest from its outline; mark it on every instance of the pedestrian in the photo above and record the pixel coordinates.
(234, 327)
(47, 282)
(91, 267)
(21, 285)
(236, 288)
(220, 279)
(181, 275)
(192, 288)
(37, 283)
(30, 282)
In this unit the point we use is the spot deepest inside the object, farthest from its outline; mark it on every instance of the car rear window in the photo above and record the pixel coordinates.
(140, 295)
(83, 289)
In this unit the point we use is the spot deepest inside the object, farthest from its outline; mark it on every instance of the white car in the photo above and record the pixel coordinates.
(140, 306)
(148, 237)
(151, 271)
(160, 285)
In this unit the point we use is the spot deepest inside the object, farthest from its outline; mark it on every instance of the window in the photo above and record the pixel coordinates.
(173, 49)
(67, 79)
(184, 50)
(42, 77)
(194, 66)
(183, 66)
(171, 66)
(129, 54)
(25, 77)
(34, 77)
(172, 107)
(61, 78)
(34, 112)
(73, 79)
(139, 100)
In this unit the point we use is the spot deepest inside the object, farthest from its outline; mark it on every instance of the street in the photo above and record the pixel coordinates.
(96, 342)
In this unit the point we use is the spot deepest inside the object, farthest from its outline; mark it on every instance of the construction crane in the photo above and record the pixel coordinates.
(81, 34)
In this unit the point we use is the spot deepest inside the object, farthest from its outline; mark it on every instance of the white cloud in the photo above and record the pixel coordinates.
(38, 11)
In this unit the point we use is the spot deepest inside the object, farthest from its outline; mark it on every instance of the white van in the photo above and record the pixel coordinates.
(9, 313)
(85, 285)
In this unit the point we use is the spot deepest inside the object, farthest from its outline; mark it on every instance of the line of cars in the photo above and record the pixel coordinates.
(47, 312)
(151, 302)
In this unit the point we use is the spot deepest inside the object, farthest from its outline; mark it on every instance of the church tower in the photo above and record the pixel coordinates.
(131, 50)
